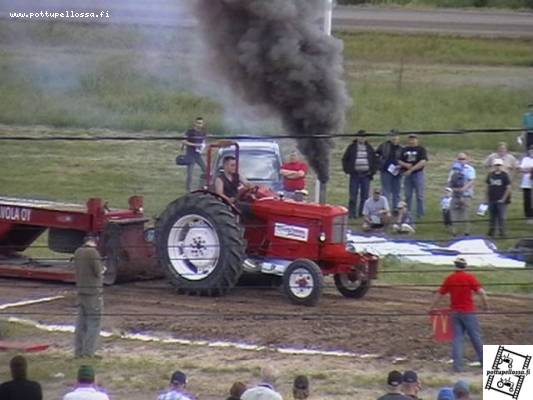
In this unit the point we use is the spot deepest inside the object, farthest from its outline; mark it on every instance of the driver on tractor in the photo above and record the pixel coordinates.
(228, 182)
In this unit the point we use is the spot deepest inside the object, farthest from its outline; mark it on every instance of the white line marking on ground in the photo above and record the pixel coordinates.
(29, 302)
(187, 342)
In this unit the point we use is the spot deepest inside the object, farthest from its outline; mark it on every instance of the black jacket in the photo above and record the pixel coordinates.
(348, 160)
(388, 153)
(19, 389)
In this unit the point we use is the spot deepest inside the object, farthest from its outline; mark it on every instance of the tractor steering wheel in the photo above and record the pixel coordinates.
(246, 193)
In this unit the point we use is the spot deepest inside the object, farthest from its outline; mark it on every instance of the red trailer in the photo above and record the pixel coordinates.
(122, 238)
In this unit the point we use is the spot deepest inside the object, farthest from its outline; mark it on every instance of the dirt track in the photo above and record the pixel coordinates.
(263, 317)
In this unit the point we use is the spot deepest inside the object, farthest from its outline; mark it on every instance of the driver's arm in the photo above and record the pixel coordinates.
(219, 187)
(245, 182)
(292, 174)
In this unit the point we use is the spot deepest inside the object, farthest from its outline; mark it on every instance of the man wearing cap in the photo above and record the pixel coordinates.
(403, 223)
(461, 181)
(359, 161)
(446, 393)
(388, 154)
(394, 382)
(413, 159)
(20, 387)
(461, 390)
(498, 197)
(86, 388)
(411, 386)
(376, 211)
(89, 284)
(176, 390)
(460, 285)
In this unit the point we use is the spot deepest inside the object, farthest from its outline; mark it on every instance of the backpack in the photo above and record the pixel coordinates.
(457, 180)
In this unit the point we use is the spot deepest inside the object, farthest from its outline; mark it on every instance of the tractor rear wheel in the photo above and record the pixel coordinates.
(303, 282)
(351, 285)
(200, 245)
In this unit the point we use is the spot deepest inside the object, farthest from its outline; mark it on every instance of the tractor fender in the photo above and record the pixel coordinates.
(222, 198)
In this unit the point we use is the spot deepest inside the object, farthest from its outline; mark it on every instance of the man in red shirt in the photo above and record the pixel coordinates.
(460, 285)
(293, 173)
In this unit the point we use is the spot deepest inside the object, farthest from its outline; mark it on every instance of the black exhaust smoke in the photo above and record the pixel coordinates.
(273, 54)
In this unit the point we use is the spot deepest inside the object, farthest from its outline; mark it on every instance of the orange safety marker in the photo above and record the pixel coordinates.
(442, 325)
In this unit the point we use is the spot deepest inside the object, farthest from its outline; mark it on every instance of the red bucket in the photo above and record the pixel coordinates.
(442, 325)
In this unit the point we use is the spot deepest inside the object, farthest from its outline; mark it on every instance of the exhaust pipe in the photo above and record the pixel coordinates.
(322, 196)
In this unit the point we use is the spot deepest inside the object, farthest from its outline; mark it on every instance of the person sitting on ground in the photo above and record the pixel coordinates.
(411, 385)
(176, 390)
(376, 211)
(461, 390)
(265, 390)
(445, 203)
(394, 381)
(403, 223)
(293, 173)
(300, 387)
(86, 388)
(229, 181)
(445, 393)
(20, 387)
(236, 391)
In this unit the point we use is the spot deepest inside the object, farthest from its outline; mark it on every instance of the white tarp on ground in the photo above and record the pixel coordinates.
(477, 252)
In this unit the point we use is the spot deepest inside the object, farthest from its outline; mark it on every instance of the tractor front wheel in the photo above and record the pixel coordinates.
(351, 284)
(303, 282)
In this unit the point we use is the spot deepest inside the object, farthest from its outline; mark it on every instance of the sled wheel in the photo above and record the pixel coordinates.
(351, 284)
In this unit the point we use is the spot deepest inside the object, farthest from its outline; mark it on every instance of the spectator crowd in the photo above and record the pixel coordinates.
(404, 166)
(398, 386)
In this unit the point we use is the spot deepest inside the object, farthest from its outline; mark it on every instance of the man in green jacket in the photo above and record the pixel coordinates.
(89, 285)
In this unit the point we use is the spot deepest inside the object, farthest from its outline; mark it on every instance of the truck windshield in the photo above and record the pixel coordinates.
(259, 166)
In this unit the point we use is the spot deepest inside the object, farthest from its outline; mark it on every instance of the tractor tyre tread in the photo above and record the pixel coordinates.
(230, 235)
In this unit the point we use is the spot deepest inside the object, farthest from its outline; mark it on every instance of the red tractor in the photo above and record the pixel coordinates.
(204, 242)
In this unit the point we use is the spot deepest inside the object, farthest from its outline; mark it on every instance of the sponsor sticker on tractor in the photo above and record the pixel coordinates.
(291, 232)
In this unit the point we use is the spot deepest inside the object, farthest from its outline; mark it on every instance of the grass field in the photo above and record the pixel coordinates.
(83, 80)
(138, 371)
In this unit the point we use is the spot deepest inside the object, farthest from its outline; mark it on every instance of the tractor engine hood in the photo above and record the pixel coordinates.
(263, 208)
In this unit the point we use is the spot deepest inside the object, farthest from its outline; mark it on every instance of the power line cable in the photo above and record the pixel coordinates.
(98, 138)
